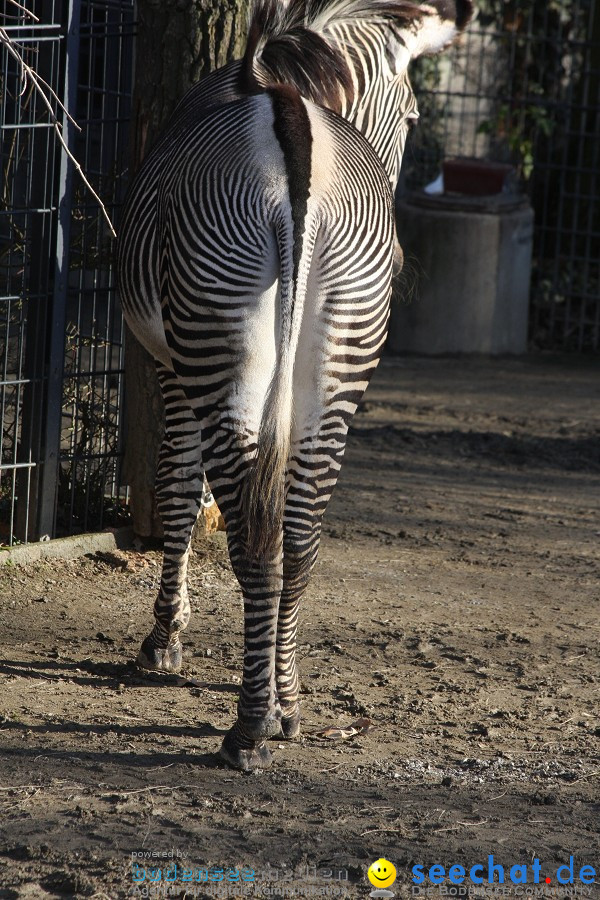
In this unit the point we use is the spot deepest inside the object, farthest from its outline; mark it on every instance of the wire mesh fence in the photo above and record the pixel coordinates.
(90, 494)
(522, 86)
(61, 334)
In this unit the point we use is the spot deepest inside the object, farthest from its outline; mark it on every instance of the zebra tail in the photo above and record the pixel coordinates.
(263, 498)
(264, 492)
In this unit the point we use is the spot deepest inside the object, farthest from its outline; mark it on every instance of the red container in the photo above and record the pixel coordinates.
(475, 177)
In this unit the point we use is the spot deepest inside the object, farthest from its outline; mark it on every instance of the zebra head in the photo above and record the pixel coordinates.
(352, 56)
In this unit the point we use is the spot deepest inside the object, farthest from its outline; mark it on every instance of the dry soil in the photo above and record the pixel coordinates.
(454, 605)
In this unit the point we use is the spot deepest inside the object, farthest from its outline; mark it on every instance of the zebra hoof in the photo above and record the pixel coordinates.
(159, 659)
(290, 725)
(257, 756)
(259, 728)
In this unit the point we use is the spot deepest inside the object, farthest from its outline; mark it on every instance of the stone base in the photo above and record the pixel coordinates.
(473, 261)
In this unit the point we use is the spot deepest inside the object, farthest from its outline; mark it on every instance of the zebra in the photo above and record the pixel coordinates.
(255, 259)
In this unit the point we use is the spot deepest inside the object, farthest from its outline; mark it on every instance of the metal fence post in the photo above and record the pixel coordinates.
(37, 195)
(56, 353)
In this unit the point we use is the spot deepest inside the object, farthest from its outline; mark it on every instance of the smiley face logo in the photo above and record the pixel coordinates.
(381, 873)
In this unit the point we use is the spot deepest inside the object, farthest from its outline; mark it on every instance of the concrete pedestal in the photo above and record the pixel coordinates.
(473, 260)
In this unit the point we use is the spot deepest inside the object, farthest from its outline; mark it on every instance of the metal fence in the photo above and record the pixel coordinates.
(523, 85)
(61, 334)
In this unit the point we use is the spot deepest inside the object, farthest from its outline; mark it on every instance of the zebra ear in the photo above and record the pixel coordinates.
(442, 21)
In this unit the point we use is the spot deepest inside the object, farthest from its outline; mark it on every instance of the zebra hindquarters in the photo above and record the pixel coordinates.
(281, 310)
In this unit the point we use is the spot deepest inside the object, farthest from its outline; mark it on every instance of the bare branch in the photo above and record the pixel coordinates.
(84, 179)
(25, 10)
(28, 74)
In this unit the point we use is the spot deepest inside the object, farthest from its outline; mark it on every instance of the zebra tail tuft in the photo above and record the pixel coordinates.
(264, 486)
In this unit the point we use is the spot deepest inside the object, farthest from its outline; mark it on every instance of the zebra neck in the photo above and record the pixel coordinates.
(383, 99)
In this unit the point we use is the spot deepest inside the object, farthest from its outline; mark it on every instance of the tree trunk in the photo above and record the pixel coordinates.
(177, 43)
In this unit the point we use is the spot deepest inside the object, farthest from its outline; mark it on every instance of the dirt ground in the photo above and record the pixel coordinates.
(454, 605)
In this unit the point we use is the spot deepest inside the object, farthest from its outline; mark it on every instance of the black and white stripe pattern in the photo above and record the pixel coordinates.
(255, 261)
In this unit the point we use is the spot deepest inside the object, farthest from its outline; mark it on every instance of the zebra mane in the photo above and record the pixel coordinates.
(286, 45)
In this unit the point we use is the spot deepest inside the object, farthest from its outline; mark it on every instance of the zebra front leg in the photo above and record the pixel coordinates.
(259, 712)
(179, 481)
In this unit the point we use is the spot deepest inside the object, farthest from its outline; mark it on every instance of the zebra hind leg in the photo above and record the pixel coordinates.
(259, 711)
(300, 547)
(179, 481)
